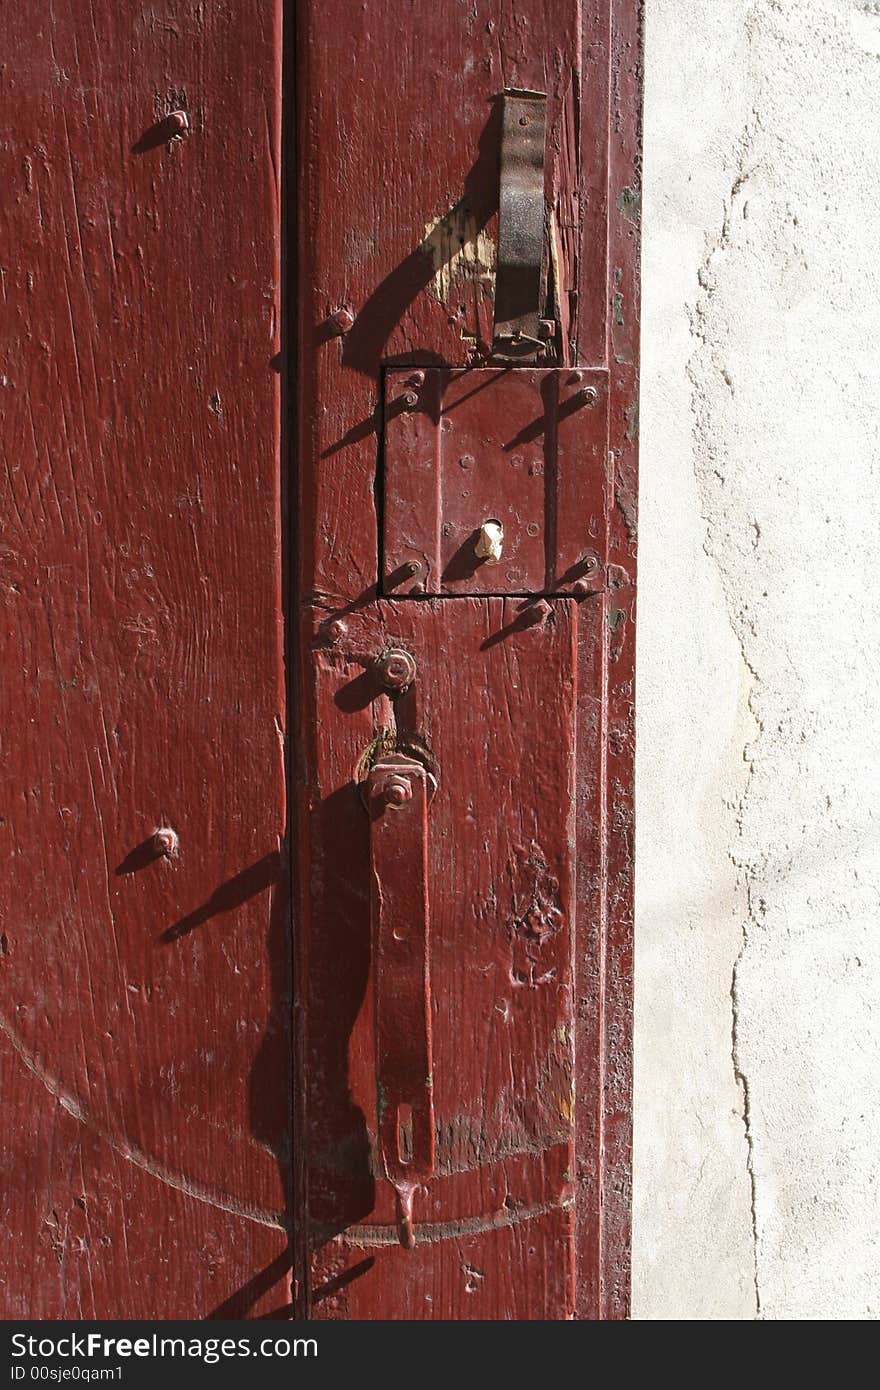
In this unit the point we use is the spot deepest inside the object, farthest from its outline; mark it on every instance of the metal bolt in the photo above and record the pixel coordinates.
(177, 123)
(575, 378)
(588, 395)
(395, 791)
(409, 400)
(588, 564)
(538, 613)
(581, 588)
(342, 318)
(336, 629)
(166, 841)
(413, 567)
(395, 668)
(417, 379)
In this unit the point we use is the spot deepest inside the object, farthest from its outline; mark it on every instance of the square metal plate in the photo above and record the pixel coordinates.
(522, 448)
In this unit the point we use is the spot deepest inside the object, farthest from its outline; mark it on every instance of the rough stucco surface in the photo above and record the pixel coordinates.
(758, 961)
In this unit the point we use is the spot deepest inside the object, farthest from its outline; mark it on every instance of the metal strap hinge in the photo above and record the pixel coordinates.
(519, 332)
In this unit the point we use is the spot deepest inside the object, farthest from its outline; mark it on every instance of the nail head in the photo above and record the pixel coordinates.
(166, 841)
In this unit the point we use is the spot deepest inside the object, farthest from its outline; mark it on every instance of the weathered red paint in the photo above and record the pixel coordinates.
(145, 999)
(146, 1015)
(526, 446)
(522, 706)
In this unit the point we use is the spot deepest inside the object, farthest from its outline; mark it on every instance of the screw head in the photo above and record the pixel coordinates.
(395, 668)
(342, 318)
(409, 400)
(588, 395)
(412, 567)
(417, 379)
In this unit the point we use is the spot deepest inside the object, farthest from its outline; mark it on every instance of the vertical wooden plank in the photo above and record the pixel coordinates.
(401, 158)
(502, 911)
(624, 183)
(589, 184)
(146, 1000)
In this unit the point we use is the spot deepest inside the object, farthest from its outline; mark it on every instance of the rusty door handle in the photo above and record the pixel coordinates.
(398, 791)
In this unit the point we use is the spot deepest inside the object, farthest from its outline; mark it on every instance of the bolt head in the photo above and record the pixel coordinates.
(588, 395)
(396, 669)
(537, 614)
(410, 400)
(342, 318)
(395, 791)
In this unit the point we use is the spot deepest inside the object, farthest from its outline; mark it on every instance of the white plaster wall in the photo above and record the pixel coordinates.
(758, 960)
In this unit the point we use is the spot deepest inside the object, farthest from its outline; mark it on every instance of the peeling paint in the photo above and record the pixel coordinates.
(539, 918)
(629, 203)
(459, 251)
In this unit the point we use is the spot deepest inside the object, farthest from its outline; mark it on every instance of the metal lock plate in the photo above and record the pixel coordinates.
(493, 459)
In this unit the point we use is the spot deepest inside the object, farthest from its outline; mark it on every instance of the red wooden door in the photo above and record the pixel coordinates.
(466, 515)
(400, 1089)
(145, 997)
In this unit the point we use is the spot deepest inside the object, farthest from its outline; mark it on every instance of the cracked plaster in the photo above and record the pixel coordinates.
(758, 972)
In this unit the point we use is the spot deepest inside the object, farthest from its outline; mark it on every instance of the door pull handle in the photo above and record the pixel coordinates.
(398, 792)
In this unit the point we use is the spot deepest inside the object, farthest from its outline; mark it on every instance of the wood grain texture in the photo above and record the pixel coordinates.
(526, 448)
(500, 866)
(145, 999)
(624, 303)
(400, 159)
